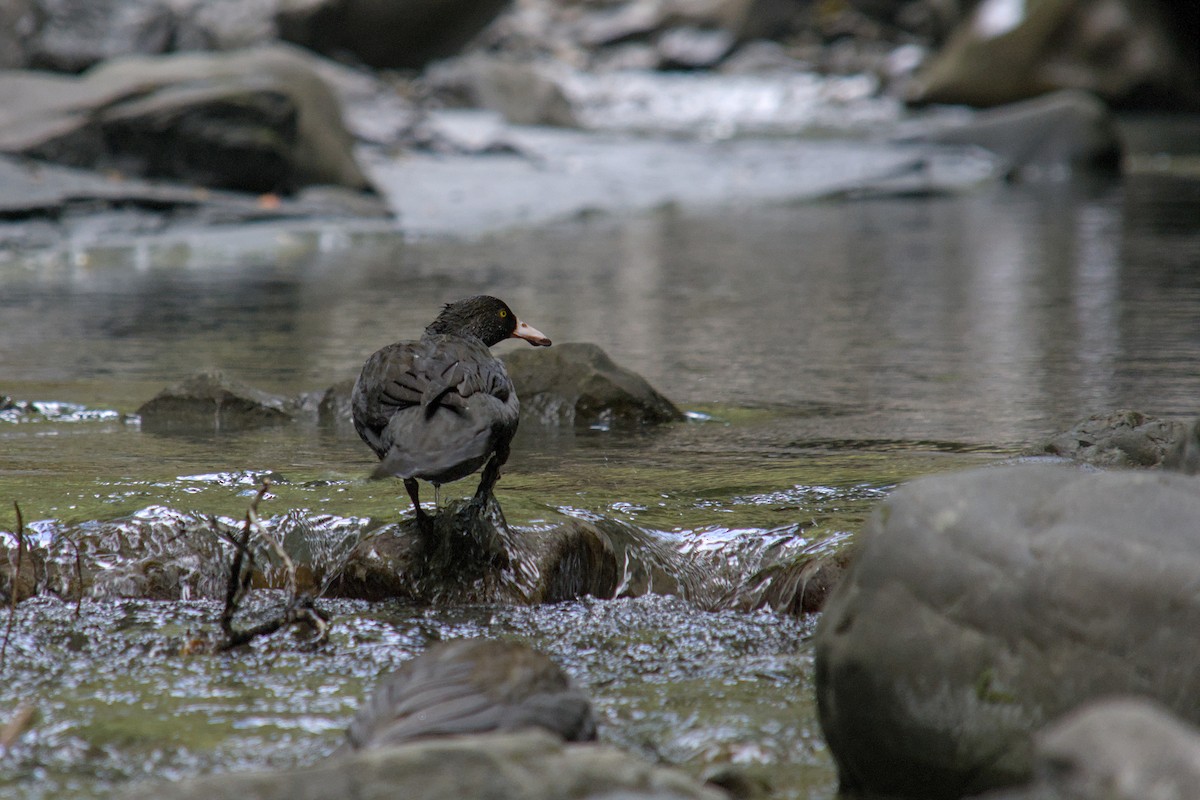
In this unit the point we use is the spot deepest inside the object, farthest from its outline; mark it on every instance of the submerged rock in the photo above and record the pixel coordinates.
(1122, 438)
(210, 401)
(982, 605)
(1113, 749)
(469, 686)
(577, 384)
(501, 766)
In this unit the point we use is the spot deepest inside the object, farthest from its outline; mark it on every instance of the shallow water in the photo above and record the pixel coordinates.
(826, 351)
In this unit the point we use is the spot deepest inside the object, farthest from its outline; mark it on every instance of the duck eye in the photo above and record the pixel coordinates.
(503, 313)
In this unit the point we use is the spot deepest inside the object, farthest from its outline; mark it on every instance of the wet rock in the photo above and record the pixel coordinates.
(1184, 454)
(259, 120)
(16, 18)
(577, 384)
(24, 581)
(471, 686)
(333, 408)
(1114, 749)
(981, 605)
(386, 33)
(508, 766)
(463, 558)
(1122, 438)
(1124, 51)
(210, 401)
(223, 24)
(797, 585)
(1056, 134)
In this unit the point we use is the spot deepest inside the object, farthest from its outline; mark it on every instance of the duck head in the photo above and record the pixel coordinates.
(487, 318)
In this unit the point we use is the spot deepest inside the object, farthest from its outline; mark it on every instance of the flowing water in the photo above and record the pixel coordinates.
(824, 353)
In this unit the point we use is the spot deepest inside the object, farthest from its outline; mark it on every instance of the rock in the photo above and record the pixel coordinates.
(694, 48)
(1113, 749)
(509, 766)
(1059, 133)
(224, 24)
(16, 20)
(799, 585)
(209, 401)
(981, 605)
(465, 559)
(577, 384)
(72, 35)
(524, 93)
(1124, 51)
(467, 686)
(1184, 455)
(258, 120)
(386, 33)
(1119, 439)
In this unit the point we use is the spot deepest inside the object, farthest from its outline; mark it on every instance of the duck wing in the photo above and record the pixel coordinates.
(434, 409)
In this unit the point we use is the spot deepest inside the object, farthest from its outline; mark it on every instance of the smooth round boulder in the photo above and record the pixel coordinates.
(981, 605)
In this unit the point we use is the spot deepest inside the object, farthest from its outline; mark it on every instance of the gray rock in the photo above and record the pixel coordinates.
(525, 93)
(1116, 749)
(386, 33)
(1184, 455)
(530, 765)
(577, 384)
(1062, 132)
(257, 120)
(209, 401)
(995, 58)
(467, 686)
(72, 35)
(981, 605)
(694, 48)
(1122, 438)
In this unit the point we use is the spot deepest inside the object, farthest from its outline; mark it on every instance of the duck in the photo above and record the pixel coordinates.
(474, 685)
(440, 408)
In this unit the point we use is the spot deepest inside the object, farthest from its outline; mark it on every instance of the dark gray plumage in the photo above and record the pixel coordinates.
(440, 408)
(472, 686)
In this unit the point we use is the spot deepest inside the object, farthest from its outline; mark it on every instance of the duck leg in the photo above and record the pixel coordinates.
(410, 485)
(491, 474)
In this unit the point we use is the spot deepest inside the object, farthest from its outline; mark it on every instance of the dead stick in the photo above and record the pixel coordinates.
(15, 583)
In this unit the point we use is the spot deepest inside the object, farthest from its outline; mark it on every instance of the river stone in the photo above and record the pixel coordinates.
(465, 559)
(1184, 453)
(526, 765)
(1124, 51)
(1058, 133)
(577, 384)
(472, 685)
(210, 401)
(981, 605)
(405, 34)
(1123, 438)
(257, 120)
(72, 35)
(1113, 749)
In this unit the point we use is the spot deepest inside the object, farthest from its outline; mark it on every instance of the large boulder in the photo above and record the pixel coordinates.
(508, 766)
(982, 605)
(1125, 51)
(259, 120)
(1114, 749)
(577, 384)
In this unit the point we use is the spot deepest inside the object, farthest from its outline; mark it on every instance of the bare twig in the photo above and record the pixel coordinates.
(14, 583)
(239, 578)
(300, 607)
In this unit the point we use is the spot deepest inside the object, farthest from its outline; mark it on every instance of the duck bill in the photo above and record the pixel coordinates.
(530, 334)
